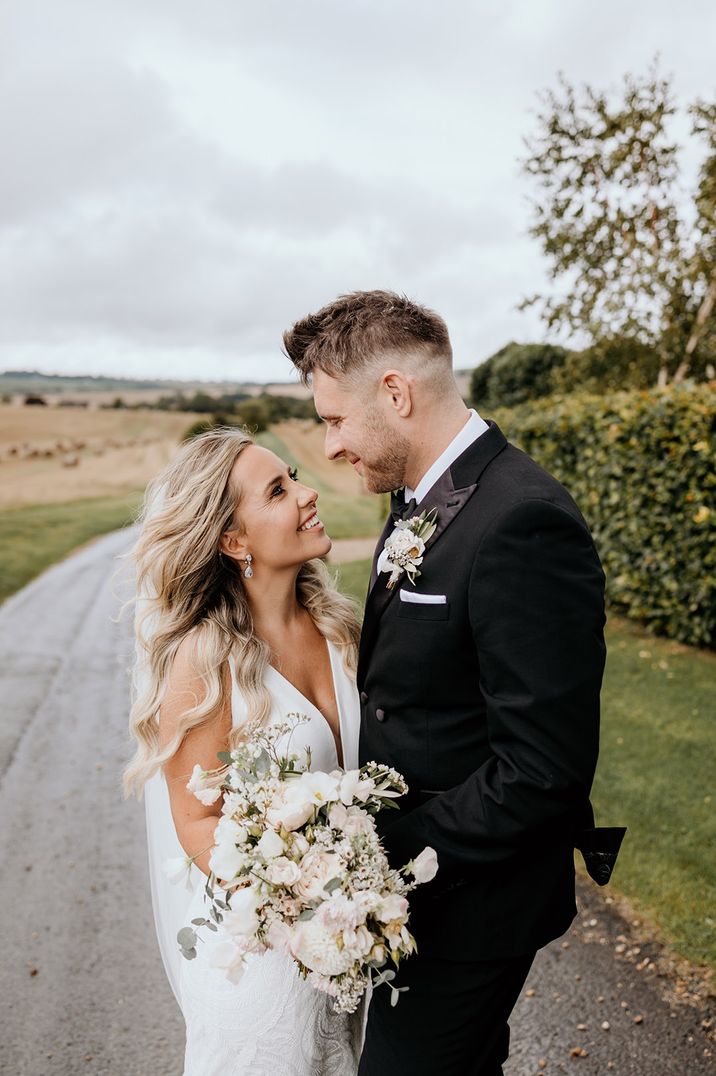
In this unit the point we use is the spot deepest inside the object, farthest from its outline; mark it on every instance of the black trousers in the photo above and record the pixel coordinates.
(452, 1021)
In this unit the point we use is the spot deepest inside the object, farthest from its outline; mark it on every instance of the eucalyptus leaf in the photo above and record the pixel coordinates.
(187, 938)
(333, 884)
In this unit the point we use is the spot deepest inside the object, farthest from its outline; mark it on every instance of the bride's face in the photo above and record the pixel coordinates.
(278, 513)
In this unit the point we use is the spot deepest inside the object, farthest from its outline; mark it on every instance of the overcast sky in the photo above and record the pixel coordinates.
(180, 181)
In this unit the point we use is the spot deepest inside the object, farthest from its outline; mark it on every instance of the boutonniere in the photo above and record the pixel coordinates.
(404, 548)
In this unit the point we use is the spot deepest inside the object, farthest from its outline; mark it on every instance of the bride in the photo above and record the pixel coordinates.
(238, 621)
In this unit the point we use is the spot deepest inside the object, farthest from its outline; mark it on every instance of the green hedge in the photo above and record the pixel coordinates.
(642, 468)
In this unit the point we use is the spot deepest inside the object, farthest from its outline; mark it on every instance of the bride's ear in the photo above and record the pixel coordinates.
(232, 546)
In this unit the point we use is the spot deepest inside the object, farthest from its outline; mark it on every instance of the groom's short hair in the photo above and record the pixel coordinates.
(348, 334)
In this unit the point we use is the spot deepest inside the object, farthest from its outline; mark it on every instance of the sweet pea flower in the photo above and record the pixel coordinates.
(178, 869)
(425, 866)
(203, 785)
(226, 860)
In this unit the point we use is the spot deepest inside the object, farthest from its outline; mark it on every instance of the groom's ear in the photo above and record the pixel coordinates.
(232, 545)
(397, 386)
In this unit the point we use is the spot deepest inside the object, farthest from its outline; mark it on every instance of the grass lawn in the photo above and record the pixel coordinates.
(656, 775)
(33, 538)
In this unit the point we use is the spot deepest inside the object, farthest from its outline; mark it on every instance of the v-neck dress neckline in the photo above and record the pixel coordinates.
(318, 734)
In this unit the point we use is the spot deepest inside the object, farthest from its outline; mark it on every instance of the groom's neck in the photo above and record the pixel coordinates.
(437, 430)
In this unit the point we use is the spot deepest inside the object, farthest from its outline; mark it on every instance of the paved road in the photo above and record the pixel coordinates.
(83, 987)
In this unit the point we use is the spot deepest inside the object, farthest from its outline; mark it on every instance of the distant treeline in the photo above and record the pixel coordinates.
(518, 373)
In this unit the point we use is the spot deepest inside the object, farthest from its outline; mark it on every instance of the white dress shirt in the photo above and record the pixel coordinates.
(473, 428)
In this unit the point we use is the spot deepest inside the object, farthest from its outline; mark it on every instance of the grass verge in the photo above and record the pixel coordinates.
(655, 775)
(33, 538)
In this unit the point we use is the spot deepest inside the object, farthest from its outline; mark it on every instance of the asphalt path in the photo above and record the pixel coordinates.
(83, 989)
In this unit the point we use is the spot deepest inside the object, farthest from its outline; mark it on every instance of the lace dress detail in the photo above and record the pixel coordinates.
(272, 1023)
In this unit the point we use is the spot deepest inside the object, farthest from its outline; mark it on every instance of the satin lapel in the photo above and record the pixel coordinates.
(449, 499)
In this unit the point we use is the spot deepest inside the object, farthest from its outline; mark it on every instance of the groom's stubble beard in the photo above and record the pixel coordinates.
(385, 469)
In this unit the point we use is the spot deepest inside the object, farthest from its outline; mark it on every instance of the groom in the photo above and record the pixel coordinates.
(479, 679)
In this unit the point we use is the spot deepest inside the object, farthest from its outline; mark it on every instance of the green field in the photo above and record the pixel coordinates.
(33, 538)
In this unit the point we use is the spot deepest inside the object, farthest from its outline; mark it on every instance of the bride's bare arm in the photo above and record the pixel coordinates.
(194, 821)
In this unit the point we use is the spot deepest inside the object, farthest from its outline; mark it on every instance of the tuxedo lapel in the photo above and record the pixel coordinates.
(449, 495)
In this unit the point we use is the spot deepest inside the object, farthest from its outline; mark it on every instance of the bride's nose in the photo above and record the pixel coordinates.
(307, 496)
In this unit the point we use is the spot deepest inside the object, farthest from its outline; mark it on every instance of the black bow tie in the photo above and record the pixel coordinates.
(403, 510)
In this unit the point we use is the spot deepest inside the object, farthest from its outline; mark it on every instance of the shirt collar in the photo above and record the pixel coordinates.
(473, 428)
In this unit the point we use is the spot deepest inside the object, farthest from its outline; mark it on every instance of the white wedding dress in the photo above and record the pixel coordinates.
(271, 1023)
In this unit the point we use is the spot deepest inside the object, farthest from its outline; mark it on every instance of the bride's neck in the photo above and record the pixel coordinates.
(274, 605)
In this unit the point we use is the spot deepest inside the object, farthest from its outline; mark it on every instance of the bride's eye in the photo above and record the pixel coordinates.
(278, 489)
(293, 474)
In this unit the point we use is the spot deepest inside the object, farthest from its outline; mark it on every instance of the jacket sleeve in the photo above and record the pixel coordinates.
(536, 606)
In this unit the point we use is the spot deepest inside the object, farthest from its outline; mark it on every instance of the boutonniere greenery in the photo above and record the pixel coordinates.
(404, 548)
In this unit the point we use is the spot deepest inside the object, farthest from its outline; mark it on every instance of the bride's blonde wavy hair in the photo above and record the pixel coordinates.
(185, 586)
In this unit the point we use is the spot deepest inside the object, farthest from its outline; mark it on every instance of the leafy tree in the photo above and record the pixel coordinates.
(516, 373)
(611, 225)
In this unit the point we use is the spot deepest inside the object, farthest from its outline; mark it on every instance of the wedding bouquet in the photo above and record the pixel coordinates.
(303, 868)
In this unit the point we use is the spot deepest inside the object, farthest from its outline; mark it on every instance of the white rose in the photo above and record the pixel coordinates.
(283, 871)
(317, 868)
(242, 918)
(425, 866)
(271, 845)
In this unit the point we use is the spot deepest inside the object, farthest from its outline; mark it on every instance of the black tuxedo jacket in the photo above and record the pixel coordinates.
(488, 704)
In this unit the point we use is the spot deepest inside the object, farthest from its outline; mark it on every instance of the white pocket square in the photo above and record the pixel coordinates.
(417, 598)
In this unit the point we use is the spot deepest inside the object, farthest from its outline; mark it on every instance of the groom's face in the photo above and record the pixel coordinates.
(359, 430)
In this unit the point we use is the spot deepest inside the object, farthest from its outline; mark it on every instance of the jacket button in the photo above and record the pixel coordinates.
(363, 697)
(380, 715)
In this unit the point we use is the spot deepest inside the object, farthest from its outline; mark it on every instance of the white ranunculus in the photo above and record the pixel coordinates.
(425, 866)
(317, 868)
(226, 860)
(271, 845)
(391, 907)
(178, 870)
(242, 918)
(317, 949)
(283, 871)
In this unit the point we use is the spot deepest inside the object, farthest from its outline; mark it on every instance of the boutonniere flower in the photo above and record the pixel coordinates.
(404, 548)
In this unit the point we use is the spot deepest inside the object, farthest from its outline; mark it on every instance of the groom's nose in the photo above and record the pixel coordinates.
(332, 445)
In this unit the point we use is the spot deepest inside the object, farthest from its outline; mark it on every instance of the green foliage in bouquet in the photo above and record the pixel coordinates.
(642, 468)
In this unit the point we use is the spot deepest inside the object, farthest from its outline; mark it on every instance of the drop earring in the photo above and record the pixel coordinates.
(248, 570)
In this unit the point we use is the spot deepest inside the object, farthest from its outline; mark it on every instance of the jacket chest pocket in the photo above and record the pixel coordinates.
(413, 611)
